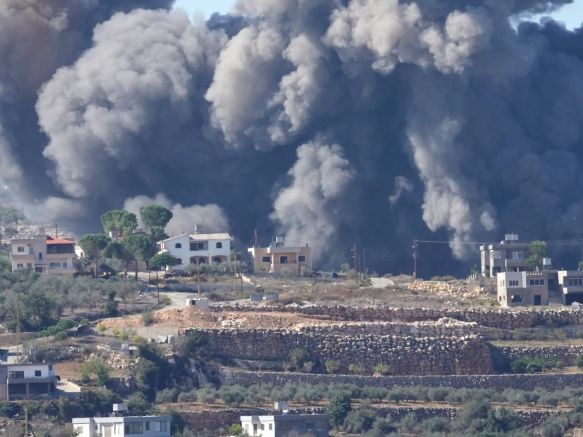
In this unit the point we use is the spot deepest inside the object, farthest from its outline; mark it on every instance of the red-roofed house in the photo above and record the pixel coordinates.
(43, 254)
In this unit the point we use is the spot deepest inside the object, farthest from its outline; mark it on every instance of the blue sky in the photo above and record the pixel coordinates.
(571, 15)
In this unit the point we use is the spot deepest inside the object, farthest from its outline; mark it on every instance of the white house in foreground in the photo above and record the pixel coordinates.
(198, 248)
(286, 425)
(122, 426)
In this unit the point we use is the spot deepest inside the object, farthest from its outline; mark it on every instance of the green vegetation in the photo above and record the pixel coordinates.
(93, 245)
(537, 250)
(38, 303)
(155, 216)
(534, 365)
(339, 406)
(95, 367)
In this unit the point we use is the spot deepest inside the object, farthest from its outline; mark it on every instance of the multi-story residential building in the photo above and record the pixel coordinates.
(198, 248)
(540, 288)
(43, 254)
(280, 257)
(525, 288)
(571, 284)
(119, 425)
(510, 255)
(286, 425)
(27, 381)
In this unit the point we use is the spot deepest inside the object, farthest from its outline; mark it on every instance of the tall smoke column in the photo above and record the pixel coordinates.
(308, 209)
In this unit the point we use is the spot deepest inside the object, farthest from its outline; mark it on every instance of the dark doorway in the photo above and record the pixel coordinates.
(537, 299)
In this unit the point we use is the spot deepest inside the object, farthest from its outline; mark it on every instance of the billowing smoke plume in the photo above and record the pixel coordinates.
(362, 121)
(308, 210)
(208, 218)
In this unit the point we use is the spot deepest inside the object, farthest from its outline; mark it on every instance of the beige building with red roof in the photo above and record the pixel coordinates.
(43, 254)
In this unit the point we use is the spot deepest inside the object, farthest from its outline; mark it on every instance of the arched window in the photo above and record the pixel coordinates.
(178, 245)
(219, 245)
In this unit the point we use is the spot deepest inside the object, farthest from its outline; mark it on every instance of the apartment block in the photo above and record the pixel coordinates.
(281, 257)
(43, 254)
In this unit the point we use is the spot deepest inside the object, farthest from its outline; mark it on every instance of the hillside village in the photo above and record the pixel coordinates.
(191, 335)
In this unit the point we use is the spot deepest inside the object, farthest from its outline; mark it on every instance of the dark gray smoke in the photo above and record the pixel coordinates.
(333, 122)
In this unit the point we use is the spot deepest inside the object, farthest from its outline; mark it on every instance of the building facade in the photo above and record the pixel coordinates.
(27, 381)
(280, 257)
(539, 288)
(510, 255)
(286, 425)
(43, 254)
(115, 426)
(198, 248)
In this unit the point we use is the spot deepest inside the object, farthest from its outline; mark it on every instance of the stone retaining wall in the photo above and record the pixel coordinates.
(493, 382)
(492, 317)
(567, 354)
(212, 421)
(403, 355)
(443, 327)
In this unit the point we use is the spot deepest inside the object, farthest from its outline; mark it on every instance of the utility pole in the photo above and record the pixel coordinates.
(414, 258)
(197, 275)
(355, 261)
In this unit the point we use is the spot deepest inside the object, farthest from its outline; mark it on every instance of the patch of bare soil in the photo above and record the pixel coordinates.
(192, 317)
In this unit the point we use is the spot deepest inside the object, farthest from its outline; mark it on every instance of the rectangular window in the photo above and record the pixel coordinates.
(577, 282)
(283, 259)
(37, 373)
(19, 266)
(55, 265)
(147, 426)
(516, 255)
(17, 374)
(196, 246)
(163, 426)
(266, 259)
(536, 282)
(40, 256)
(516, 298)
(20, 249)
(28, 265)
(271, 426)
(302, 258)
(134, 428)
(513, 283)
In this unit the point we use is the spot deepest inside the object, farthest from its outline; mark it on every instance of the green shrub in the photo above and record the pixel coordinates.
(332, 366)
(166, 395)
(232, 395)
(9, 409)
(579, 361)
(382, 369)
(359, 421)
(356, 369)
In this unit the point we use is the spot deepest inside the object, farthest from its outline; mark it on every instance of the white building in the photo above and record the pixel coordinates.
(198, 248)
(27, 381)
(286, 425)
(121, 426)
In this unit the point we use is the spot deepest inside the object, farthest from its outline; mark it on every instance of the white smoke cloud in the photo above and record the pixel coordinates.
(208, 218)
(402, 186)
(395, 33)
(306, 211)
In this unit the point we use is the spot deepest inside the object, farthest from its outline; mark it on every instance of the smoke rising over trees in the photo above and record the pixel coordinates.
(362, 120)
